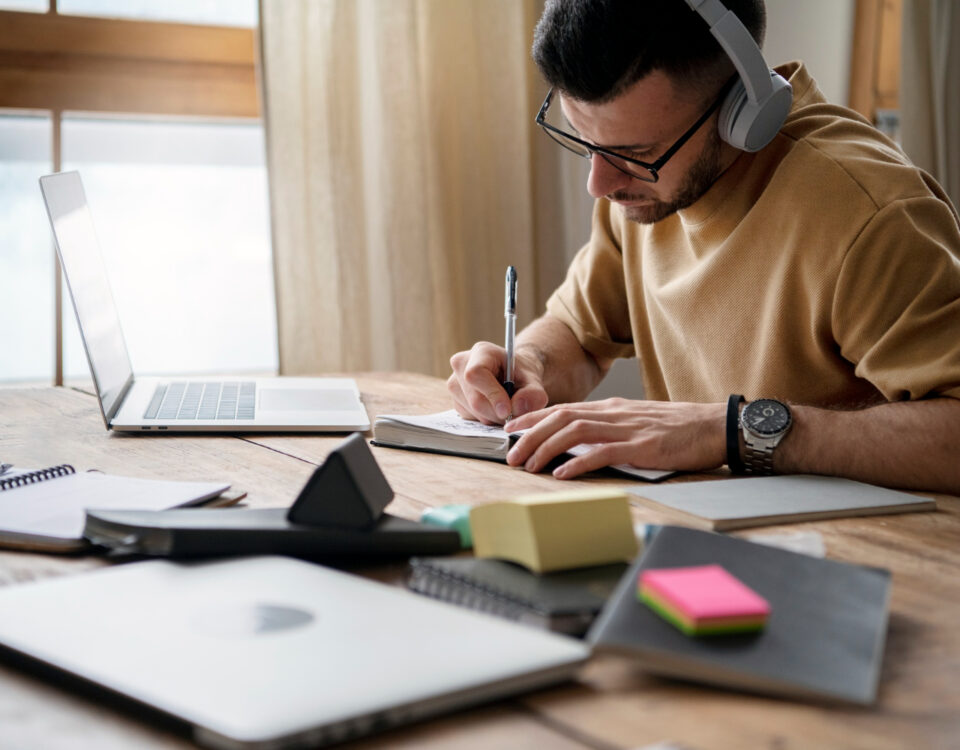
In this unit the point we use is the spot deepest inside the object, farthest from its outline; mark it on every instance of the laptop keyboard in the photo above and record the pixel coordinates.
(203, 401)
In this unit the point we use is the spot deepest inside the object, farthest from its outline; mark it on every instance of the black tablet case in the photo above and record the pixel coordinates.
(184, 533)
(824, 638)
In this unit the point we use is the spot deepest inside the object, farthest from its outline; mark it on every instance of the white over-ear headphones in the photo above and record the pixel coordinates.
(759, 102)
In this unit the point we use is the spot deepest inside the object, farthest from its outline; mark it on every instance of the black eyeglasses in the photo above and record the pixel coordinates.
(636, 168)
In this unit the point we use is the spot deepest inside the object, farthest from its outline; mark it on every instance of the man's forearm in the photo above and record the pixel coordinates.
(910, 444)
(569, 372)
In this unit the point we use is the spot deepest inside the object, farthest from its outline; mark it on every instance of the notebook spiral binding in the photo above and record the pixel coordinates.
(455, 590)
(32, 477)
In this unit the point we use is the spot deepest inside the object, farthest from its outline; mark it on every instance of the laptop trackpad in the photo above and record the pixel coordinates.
(306, 399)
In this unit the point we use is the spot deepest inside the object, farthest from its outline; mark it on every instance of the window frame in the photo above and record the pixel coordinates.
(54, 63)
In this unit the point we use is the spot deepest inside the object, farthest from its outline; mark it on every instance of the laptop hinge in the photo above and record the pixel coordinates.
(118, 402)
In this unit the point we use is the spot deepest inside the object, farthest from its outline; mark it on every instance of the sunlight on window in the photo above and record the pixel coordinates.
(214, 12)
(182, 216)
(26, 252)
(36, 6)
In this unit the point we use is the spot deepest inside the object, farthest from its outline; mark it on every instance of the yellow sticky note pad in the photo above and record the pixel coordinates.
(556, 530)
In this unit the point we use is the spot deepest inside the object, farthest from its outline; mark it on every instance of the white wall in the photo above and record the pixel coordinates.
(819, 32)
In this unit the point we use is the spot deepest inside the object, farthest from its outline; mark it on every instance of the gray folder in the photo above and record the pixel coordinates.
(764, 501)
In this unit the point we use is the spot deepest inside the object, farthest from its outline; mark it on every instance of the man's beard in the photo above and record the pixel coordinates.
(702, 175)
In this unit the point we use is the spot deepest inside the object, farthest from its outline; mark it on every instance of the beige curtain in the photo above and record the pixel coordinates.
(406, 173)
(930, 89)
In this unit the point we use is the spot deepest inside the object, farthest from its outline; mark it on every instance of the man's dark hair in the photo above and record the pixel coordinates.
(593, 50)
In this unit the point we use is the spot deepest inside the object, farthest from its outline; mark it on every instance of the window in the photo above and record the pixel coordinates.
(875, 63)
(181, 215)
(218, 12)
(34, 6)
(26, 255)
(162, 121)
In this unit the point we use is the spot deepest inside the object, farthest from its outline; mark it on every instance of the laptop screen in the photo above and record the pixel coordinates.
(89, 287)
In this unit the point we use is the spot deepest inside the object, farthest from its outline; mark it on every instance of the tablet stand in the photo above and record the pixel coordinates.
(348, 490)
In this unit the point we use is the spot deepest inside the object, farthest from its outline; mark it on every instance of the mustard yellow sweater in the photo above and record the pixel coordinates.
(824, 269)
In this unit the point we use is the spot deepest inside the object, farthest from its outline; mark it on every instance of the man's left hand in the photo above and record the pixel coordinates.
(646, 434)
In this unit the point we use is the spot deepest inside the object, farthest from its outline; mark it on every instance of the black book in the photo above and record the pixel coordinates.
(564, 601)
(266, 531)
(824, 638)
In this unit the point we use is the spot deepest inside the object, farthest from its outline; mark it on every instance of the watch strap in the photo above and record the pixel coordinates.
(733, 434)
(756, 459)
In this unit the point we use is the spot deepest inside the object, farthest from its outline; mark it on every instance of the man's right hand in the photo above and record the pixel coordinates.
(477, 389)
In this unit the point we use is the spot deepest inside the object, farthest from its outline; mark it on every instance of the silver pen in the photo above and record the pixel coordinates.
(510, 314)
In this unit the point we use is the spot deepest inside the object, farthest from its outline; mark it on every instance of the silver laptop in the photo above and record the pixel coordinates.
(153, 404)
(264, 652)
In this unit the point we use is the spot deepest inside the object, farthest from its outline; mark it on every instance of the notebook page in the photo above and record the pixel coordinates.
(448, 422)
(56, 507)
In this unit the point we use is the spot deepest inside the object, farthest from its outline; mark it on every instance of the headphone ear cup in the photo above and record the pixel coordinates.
(750, 126)
(732, 106)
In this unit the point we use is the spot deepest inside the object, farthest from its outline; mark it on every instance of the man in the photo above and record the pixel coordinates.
(822, 271)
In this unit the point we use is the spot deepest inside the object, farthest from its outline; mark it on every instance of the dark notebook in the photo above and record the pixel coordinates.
(266, 531)
(565, 601)
(824, 638)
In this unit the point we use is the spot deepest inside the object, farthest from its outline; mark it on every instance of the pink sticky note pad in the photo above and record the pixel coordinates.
(705, 592)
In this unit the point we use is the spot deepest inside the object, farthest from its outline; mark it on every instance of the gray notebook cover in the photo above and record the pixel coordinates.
(824, 638)
(762, 501)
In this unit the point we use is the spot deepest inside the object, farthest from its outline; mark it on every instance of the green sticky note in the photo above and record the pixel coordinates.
(456, 517)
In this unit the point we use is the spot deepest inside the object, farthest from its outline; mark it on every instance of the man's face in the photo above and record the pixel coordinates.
(643, 123)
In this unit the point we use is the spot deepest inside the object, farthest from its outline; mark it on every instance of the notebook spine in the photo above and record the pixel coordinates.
(439, 584)
(32, 477)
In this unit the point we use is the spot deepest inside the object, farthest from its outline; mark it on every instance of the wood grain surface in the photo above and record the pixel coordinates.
(613, 705)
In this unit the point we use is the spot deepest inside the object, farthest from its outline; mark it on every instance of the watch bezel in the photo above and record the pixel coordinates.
(759, 403)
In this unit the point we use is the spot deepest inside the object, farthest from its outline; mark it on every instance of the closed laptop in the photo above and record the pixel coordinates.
(262, 652)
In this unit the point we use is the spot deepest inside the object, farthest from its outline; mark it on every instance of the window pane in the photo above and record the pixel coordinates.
(213, 12)
(26, 251)
(181, 214)
(39, 6)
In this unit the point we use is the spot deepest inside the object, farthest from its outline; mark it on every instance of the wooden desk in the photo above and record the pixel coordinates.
(613, 705)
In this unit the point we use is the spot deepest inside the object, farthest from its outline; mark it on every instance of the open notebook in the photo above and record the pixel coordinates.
(44, 510)
(448, 432)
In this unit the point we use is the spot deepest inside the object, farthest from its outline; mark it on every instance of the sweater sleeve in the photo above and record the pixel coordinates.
(592, 300)
(896, 310)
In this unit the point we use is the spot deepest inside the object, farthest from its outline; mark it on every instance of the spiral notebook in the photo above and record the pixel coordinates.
(565, 601)
(44, 510)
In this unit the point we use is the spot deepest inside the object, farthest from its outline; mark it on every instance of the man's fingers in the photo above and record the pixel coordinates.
(485, 392)
(474, 385)
(603, 455)
(477, 376)
(528, 399)
(552, 437)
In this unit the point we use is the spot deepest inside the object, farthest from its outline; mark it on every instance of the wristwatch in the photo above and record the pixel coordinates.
(764, 423)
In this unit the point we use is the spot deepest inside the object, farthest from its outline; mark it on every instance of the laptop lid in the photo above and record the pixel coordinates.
(86, 275)
(269, 651)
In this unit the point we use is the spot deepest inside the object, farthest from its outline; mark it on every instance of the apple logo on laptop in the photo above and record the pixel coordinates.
(243, 620)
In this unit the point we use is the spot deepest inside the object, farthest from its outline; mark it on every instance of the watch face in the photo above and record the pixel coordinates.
(766, 417)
